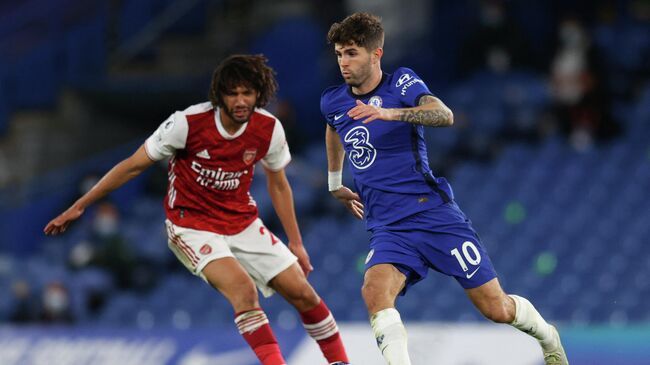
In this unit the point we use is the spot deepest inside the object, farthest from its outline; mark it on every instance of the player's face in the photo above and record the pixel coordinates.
(239, 103)
(354, 62)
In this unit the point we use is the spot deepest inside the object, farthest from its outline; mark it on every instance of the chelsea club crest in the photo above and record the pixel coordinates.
(375, 101)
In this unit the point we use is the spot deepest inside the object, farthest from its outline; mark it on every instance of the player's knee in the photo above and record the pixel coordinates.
(374, 293)
(244, 297)
(368, 291)
(304, 297)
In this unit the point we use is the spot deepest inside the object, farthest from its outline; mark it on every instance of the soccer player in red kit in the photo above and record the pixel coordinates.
(212, 220)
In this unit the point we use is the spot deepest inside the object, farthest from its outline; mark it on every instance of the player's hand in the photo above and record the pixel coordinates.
(61, 223)
(303, 257)
(351, 201)
(369, 112)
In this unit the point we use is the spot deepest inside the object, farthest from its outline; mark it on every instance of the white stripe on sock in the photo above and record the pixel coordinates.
(323, 329)
(250, 321)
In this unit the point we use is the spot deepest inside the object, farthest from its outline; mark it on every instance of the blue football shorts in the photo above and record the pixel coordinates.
(441, 239)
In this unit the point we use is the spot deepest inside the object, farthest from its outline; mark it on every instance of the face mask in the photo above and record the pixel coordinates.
(55, 300)
(105, 225)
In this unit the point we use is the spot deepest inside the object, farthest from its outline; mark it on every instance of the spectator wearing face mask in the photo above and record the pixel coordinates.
(106, 247)
(55, 305)
(581, 102)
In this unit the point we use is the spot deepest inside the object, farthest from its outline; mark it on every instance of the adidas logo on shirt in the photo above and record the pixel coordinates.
(203, 154)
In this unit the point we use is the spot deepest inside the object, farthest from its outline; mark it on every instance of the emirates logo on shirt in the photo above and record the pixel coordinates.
(249, 155)
(217, 179)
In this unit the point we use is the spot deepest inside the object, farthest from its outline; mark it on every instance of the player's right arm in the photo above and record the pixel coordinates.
(163, 143)
(116, 177)
(335, 155)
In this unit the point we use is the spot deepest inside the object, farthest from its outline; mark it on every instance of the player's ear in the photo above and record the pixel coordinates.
(377, 53)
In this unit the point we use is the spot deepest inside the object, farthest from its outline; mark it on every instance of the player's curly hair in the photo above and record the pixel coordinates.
(243, 70)
(363, 29)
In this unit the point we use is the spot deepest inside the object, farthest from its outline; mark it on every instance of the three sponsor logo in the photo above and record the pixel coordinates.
(363, 153)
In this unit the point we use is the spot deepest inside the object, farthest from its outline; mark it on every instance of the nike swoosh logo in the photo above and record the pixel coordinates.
(337, 117)
(469, 276)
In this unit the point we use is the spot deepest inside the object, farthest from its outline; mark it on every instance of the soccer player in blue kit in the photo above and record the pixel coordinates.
(377, 119)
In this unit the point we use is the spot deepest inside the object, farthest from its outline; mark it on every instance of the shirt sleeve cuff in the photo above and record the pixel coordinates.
(151, 151)
(279, 165)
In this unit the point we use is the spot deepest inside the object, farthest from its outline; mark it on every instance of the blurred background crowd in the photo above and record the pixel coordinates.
(549, 154)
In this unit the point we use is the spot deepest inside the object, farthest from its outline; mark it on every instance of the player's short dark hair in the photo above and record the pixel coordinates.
(363, 29)
(250, 71)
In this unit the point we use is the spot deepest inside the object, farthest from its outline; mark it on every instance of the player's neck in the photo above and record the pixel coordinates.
(370, 84)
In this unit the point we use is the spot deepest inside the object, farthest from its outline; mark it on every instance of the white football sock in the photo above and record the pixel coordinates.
(391, 336)
(528, 320)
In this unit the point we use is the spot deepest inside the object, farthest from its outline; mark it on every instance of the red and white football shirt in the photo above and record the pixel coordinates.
(210, 170)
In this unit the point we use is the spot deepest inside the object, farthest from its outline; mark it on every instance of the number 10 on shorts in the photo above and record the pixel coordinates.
(474, 258)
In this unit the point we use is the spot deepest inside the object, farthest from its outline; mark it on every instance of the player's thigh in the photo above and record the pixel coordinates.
(230, 278)
(207, 255)
(457, 247)
(393, 248)
(458, 252)
(261, 253)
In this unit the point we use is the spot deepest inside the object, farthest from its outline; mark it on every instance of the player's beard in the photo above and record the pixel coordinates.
(239, 114)
(360, 76)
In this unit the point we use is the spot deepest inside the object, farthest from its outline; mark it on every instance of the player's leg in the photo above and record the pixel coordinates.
(230, 279)
(206, 255)
(227, 276)
(316, 317)
(392, 266)
(492, 302)
(453, 247)
(272, 266)
(381, 285)
(496, 305)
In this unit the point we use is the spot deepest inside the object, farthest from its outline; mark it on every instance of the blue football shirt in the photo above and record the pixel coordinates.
(388, 159)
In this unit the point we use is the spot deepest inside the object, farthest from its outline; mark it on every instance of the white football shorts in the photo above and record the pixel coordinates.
(259, 252)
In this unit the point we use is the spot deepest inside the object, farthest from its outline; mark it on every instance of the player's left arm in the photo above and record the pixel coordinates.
(335, 155)
(282, 199)
(430, 112)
